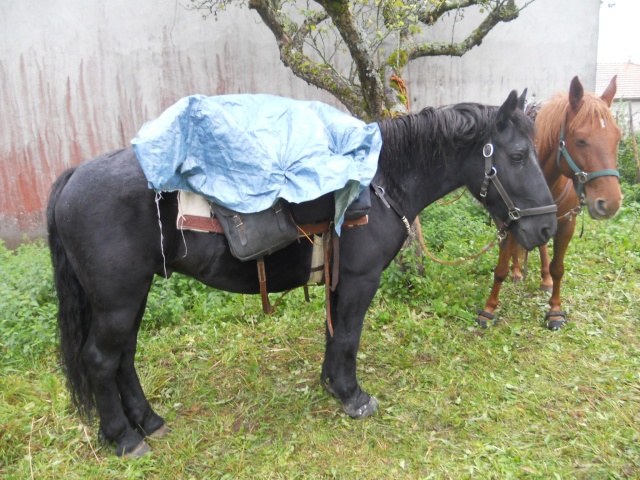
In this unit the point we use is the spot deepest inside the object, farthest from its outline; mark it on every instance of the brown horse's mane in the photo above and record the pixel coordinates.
(553, 113)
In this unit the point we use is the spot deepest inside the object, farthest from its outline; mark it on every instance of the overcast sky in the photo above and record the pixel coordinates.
(619, 31)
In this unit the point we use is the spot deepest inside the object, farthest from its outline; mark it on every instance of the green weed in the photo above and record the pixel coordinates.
(242, 395)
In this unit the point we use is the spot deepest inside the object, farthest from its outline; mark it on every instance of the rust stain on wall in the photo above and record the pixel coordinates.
(59, 121)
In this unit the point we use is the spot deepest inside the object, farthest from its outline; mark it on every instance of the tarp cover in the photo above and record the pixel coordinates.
(246, 151)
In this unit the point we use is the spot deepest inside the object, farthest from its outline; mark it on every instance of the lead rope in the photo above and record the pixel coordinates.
(426, 251)
(164, 260)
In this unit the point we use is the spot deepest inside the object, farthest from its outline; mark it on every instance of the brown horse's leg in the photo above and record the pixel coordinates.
(556, 317)
(517, 273)
(546, 282)
(500, 273)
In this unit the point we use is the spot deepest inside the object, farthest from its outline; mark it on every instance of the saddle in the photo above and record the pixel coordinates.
(253, 236)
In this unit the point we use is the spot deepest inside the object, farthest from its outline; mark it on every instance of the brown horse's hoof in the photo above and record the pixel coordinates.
(517, 278)
(139, 451)
(556, 323)
(546, 288)
(482, 318)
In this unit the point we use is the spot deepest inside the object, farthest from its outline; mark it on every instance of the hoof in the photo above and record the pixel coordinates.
(546, 288)
(517, 279)
(138, 452)
(363, 411)
(556, 323)
(482, 318)
(160, 432)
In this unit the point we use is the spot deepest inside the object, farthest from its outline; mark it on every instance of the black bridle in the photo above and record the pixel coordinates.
(490, 176)
(515, 213)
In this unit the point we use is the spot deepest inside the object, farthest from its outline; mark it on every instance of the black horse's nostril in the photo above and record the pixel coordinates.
(546, 232)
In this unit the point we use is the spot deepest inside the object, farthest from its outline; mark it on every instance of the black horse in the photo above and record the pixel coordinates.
(106, 247)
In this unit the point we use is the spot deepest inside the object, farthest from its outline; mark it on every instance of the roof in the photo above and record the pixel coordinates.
(628, 82)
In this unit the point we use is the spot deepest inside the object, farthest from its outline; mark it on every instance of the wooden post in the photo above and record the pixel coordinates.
(633, 142)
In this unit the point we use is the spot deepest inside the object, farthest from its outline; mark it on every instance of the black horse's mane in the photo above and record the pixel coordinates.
(434, 134)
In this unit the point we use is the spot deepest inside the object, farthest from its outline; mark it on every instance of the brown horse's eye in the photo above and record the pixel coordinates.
(581, 143)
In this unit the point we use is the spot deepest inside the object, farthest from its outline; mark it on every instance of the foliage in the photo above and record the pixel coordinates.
(242, 395)
(354, 49)
(626, 159)
(27, 300)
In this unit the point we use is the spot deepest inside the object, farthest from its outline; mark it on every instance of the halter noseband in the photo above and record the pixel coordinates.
(582, 176)
(515, 213)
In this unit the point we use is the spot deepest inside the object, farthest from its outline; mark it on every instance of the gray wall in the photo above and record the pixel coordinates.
(79, 78)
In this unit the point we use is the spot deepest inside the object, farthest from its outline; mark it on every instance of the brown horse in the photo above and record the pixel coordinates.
(577, 140)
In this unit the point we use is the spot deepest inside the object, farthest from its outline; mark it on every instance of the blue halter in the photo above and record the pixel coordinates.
(582, 176)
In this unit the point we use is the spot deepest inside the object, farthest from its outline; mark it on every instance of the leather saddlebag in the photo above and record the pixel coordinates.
(254, 235)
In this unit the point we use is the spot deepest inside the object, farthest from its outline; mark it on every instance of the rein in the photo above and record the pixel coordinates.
(582, 176)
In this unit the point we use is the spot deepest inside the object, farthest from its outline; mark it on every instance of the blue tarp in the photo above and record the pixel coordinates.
(246, 151)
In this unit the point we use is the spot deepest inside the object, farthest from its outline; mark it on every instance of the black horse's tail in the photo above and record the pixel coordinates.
(74, 311)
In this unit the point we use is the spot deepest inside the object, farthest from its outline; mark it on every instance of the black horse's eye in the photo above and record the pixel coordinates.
(517, 158)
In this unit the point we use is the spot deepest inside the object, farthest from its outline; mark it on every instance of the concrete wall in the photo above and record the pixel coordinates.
(79, 78)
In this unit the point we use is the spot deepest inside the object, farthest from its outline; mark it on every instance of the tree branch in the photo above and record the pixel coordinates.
(371, 85)
(430, 17)
(290, 41)
(504, 11)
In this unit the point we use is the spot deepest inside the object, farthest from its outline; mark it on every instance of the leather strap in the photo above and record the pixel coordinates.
(262, 279)
(204, 224)
(327, 245)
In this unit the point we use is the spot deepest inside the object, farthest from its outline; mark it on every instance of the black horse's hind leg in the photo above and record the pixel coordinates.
(136, 406)
(110, 340)
(339, 366)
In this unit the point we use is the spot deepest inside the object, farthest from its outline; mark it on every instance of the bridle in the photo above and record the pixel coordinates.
(581, 176)
(490, 176)
(515, 213)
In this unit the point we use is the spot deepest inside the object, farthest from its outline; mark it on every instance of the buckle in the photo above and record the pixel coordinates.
(487, 150)
(515, 214)
(583, 177)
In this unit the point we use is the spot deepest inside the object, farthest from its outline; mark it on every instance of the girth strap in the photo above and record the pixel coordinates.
(327, 246)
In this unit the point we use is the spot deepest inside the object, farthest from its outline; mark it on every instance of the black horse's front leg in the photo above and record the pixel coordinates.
(348, 308)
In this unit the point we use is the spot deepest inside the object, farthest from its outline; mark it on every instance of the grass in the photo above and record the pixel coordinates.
(241, 391)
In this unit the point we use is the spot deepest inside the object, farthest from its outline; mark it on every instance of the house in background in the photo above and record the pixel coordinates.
(627, 100)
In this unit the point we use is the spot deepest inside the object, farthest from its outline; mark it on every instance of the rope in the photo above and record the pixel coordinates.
(485, 249)
(402, 88)
(442, 202)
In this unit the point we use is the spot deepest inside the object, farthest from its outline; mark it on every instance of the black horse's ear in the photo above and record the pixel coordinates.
(522, 99)
(505, 112)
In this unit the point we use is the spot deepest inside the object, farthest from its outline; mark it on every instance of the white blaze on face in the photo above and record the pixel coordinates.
(603, 123)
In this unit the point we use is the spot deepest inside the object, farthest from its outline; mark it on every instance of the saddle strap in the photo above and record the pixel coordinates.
(327, 245)
(264, 295)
